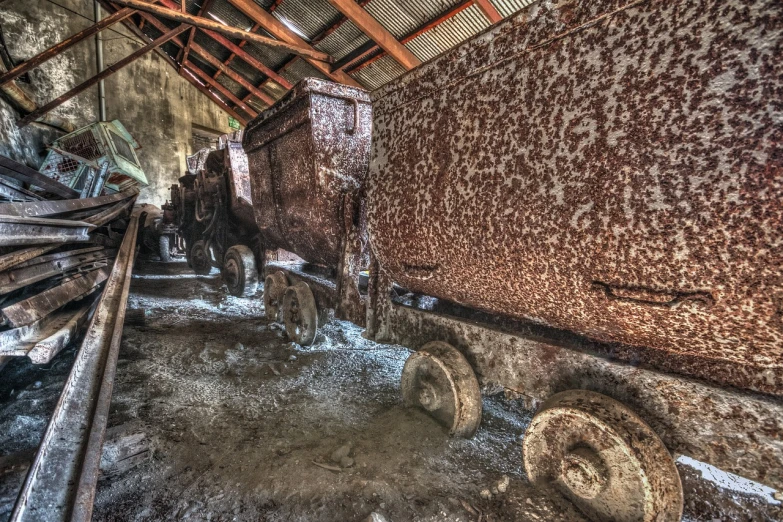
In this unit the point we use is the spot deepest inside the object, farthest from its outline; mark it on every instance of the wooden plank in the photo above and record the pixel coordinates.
(204, 8)
(489, 10)
(233, 32)
(279, 30)
(21, 172)
(373, 29)
(65, 44)
(102, 75)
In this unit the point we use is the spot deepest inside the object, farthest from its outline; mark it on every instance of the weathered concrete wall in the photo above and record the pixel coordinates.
(154, 103)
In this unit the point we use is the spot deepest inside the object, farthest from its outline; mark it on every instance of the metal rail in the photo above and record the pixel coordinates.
(60, 484)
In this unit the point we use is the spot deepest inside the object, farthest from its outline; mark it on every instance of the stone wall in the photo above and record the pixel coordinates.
(148, 96)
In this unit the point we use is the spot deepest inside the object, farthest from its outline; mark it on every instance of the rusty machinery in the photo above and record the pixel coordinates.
(213, 210)
(308, 160)
(581, 206)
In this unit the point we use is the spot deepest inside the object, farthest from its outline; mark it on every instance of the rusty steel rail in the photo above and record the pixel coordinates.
(50, 208)
(23, 231)
(60, 484)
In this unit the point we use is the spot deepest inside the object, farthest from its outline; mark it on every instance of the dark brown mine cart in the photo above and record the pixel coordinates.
(583, 205)
(215, 216)
(308, 159)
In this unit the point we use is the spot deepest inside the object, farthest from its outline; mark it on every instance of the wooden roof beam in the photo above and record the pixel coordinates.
(183, 57)
(231, 46)
(195, 69)
(189, 76)
(489, 10)
(233, 32)
(450, 13)
(56, 49)
(375, 31)
(209, 58)
(102, 75)
(279, 30)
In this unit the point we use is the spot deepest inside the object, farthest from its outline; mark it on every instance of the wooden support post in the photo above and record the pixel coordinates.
(376, 32)
(489, 10)
(233, 32)
(65, 44)
(219, 88)
(104, 74)
(279, 30)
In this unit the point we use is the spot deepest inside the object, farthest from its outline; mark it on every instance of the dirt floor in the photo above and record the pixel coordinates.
(229, 421)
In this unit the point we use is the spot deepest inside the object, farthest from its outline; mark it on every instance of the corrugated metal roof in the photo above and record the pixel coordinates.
(402, 17)
(509, 7)
(312, 18)
(449, 33)
(300, 69)
(343, 40)
(308, 18)
(379, 73)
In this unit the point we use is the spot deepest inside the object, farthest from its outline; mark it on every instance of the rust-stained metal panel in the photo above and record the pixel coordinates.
(605, 167)
(305, 154)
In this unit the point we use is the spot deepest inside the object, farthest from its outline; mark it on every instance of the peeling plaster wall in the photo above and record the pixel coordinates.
(153, 102)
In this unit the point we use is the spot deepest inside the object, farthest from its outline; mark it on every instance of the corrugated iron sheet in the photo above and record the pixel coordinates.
(343, 40)
(301, 69)
(401, 17)
(509, 7)
(307, 17)
(449, 33)
(378, 73)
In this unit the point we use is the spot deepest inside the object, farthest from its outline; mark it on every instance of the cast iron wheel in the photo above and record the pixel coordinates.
(199, 260)
(164, 248)
(275, 285)
(300, 314)
(602, 457)
(239, 271)
(439, 379)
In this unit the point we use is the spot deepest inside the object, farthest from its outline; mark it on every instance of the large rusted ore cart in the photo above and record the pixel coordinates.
(308, 159)
(591, 195)
(581, 206)
(214, 213)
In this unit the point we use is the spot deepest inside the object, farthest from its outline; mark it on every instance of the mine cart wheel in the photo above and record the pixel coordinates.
(199, 260)
(275, 286)
(440, 380)
(602, 457)
(300, 314)
(164, 248)
(239, 271)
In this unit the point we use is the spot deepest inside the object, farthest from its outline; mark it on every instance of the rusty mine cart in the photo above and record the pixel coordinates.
(622, 276)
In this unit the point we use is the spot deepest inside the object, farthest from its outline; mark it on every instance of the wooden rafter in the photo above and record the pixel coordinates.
(102, 75)
(56, 49)
(185, 73)
(233, 32)
(184, 52)
(375, 31)
(376, 53)
(279, 30)
(195, 69)
(209, 58)
(489, 10)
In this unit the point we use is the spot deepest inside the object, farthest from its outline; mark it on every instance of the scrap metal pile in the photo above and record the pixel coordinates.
(65, 270)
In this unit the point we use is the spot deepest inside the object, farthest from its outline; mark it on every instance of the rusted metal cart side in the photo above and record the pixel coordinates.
(308, 160)
(591, 193)
(215, 215)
